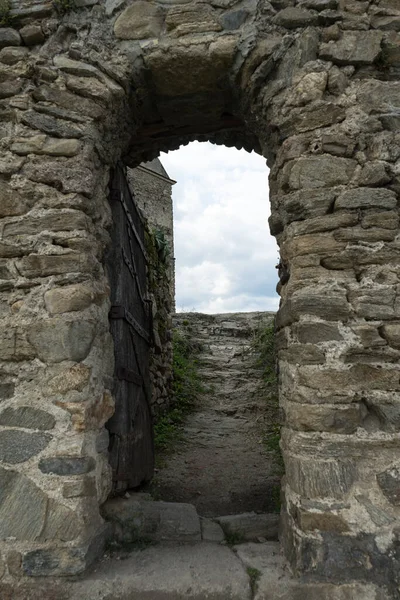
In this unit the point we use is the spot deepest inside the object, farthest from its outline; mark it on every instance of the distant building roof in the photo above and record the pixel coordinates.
(156, 166)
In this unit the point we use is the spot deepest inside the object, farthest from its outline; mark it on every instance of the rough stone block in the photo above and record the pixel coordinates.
(9, 88)
(9, 37)
(312, 520)
(139, 21)
(67, 465)
(369, 335)
(51, 220)
(317, 243)
(69, 298)
(6, 390)
(331, 306)
(314, 333)
(233, 19)
(357, 378)
(251, 526)
(67, 178)
(159, 521)
(197, 18)
(19, 446)
(391, 333)
(354, 47)
(76, 67)
(293, 17)
(89, 87)
(79, 487)
(335, 418)
(321, 171)
(191, 70)
(74, 378)
(55, 340)
(211, 531)
(312, 117)
(306, 354)
(388, 219)
(67, 561)
(66, 100)
(42, 265)
(32, 35)
(305, 204)
(12, 202)
(27, 417)
(12, 55)
(312, 478)
(389, 482)
(51, 126)
(8, 250)
(14, 345)
(366, 198)
(41, 144)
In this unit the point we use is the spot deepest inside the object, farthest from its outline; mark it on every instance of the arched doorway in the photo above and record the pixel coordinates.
(316, 99)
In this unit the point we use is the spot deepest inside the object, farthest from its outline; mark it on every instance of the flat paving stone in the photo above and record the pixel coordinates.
(202, 571)
(137, 518)
(275, 581)
(251, 526)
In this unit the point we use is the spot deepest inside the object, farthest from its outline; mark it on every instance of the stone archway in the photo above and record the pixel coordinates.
(314, 88)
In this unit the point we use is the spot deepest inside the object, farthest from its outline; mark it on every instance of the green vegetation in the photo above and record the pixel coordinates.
(186, 387)
(63, 6)
(263, 346)
(263, 349)
(233, 537)
(254, 576)
(5, 16)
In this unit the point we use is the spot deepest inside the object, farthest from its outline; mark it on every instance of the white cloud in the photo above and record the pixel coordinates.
(225, 255)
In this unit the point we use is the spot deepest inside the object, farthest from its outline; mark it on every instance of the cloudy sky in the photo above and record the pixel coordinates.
(225, 255)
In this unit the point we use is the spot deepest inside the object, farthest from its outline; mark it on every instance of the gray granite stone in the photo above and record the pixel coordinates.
(66, 465)
(28, 417)
(19, 446)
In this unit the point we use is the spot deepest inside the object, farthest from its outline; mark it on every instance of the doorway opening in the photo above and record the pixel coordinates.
(217, 434)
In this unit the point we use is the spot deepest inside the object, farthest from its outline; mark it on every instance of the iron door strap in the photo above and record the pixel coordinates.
(120, 312)
(129, 375)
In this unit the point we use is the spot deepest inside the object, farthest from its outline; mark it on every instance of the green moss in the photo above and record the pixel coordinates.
(64, 6)
(263, 349)
(186, 387)
(233, 537)
(5, 16)
(254, 576)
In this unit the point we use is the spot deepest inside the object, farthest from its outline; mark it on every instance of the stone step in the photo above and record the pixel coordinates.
(250, 526)
(173, 572)
(197, 571)
(136, 520)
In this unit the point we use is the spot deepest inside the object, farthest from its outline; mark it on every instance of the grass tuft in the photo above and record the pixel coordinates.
(254, 576)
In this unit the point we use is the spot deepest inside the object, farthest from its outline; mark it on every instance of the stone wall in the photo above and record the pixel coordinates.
(153, 192)
(314, 86)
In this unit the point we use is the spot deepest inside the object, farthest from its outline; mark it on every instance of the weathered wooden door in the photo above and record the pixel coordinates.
(131, 433)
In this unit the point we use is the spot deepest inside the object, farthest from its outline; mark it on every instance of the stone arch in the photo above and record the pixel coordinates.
(313, 86)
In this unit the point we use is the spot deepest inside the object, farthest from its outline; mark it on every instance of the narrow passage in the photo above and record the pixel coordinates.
(222, 465)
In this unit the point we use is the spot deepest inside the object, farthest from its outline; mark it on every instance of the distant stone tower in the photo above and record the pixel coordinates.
(152, 188)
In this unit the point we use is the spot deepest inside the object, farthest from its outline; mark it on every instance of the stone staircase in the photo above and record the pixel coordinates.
(222, 466)
(164, 551)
